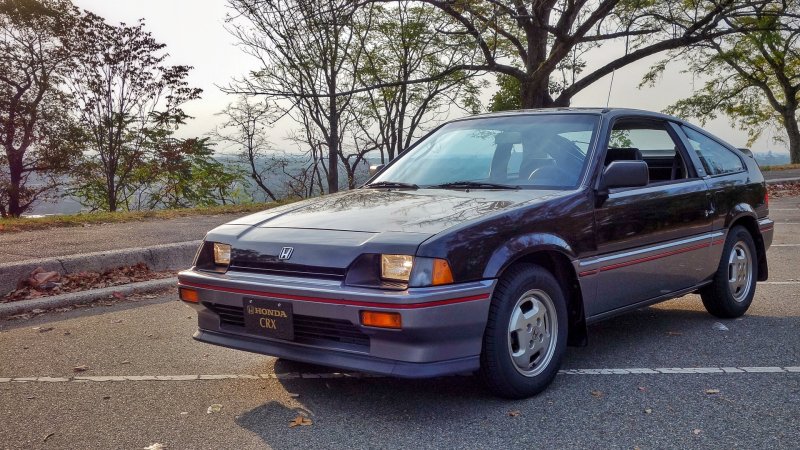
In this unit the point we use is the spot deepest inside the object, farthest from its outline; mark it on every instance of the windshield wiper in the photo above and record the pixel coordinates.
(392, 184)
(474, 185)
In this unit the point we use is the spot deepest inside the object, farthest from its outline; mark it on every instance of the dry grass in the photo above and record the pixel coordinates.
(781, 167)
(74, 220)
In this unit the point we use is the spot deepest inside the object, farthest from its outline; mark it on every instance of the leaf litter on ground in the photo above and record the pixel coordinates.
(31, 287)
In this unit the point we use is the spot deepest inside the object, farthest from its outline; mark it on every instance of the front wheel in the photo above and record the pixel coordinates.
(730, 293)
(526, 333)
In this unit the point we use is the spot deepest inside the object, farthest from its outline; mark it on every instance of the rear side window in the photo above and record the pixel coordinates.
(716, 158)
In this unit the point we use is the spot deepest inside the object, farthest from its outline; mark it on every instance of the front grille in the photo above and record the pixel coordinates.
(311, 328)
(228, 315)
(283, 269)
(307, 329)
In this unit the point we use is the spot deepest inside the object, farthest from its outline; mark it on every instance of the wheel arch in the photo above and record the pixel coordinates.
(558, 261)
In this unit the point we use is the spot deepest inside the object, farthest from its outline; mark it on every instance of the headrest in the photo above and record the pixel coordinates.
(623, 154)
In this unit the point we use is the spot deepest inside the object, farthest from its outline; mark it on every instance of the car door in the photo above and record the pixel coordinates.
(652, 240)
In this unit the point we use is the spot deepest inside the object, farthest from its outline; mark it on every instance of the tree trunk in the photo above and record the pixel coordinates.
(333, 147)
(535, 94)
(15, 186)
(111, 195)
(793, 131)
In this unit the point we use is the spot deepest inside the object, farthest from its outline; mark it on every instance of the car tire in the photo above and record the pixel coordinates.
(734, 284)
(526, 333)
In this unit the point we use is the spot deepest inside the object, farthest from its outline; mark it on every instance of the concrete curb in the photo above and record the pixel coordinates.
(783, 180)
(84, 297)
(158, 258)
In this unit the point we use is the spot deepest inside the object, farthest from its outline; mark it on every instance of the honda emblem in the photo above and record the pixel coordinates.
(286, 253)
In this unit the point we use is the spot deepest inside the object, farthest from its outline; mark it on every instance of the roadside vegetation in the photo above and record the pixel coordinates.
(781, 167)
(92, 110)
(98, 218)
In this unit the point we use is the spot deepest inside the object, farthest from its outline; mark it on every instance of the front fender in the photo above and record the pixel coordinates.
(520, 246)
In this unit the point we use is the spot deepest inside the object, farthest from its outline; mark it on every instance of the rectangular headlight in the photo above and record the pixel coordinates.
(222, 254)
(396, 267)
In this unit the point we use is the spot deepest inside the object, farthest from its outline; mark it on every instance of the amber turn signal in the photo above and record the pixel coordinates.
(189, 295)
(381, 319)
(441, 272)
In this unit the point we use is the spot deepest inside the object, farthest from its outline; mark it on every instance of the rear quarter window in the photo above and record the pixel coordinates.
(715, 157)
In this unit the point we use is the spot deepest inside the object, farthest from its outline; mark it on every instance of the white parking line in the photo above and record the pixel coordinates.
(327, 375)
(784, 245)
(779, 282)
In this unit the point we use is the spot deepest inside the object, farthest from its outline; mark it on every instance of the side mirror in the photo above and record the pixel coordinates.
(620, 174)
(747, 152)
(375, 169)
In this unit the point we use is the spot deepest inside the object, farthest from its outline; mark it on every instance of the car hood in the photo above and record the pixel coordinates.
(426, 211)
(328, 233)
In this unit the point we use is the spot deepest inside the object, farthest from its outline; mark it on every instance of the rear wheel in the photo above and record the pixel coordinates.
(731, 292)
(526, 333)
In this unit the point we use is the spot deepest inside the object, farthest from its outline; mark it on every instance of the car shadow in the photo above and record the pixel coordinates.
(673, 334)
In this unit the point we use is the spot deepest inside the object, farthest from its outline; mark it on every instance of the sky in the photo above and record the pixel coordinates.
(195, 35)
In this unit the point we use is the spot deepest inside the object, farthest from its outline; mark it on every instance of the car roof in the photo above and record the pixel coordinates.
(609, 112)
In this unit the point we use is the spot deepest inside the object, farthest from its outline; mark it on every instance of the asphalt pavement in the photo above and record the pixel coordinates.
(667, 376)
(781, 174)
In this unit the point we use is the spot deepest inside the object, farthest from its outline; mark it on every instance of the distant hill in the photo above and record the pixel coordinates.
(71, 205)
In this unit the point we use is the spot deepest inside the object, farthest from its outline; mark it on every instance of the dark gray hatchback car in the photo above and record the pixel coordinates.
(489, 246)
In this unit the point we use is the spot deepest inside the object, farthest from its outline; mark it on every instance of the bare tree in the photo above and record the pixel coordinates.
(408, 41)
(307, 50)
(245, 128)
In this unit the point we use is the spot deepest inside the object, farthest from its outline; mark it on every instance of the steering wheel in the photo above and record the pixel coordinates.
(568, 162)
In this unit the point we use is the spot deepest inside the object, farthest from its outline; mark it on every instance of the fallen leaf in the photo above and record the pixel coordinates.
(642, 388)
(106, 397)
(30, 397)
(82, 368)
(597, 394)
(155, 446)
(37, 310)
(697, 431)
(117, 321)
(118, 295)
(184, 413)
(648, 411)
(48, 436)
(301, 421)
(125, 362)
(45, 329)
(712, 391)
(215, 408)
(674, 333)
(514, 413)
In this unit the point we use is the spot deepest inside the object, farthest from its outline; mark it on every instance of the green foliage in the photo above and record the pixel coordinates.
(128, 102)
(38, 139)
(507, 96)
(756, 79)
(184, 174)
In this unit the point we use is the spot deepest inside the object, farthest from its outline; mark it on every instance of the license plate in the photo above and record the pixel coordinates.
(268, 318)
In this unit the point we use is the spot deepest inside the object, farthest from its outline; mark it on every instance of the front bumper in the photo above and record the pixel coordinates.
(441, 334)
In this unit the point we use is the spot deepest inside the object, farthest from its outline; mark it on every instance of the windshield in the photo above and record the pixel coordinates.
(538, 151)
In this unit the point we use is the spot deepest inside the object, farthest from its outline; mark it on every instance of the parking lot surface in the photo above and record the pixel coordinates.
(668, 376)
